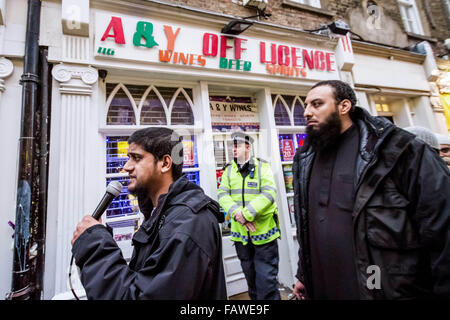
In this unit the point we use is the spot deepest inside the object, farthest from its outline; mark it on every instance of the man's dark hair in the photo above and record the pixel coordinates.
(160, 142)
(341, 91)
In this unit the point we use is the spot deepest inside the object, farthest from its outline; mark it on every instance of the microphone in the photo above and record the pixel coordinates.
(112, 190)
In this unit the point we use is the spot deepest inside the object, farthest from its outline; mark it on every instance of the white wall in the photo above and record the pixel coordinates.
(382, 72)
(12, 44)
(402, 113)
(10, 114)
(423, 113)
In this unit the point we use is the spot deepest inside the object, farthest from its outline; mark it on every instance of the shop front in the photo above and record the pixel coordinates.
(152, 65)
(399, 88)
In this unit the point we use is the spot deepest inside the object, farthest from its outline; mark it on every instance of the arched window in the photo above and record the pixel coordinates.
(150, 105)
(299, 110)
(121, 106)
(282, 117)
(153, 108)
(288, 110)
(181, 108)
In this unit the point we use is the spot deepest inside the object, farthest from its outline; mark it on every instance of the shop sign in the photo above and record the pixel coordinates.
(227, 116)
(153, 41)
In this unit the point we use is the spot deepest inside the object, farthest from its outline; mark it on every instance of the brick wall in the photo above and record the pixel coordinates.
(441, 29)
(304, 19)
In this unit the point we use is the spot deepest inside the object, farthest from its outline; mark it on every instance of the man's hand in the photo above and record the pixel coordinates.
(250, 226)
(84, 224)
(299, 290)
(239, 217)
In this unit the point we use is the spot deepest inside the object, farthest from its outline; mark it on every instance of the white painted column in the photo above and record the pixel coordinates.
(205, 144)
(74, 132)
(402, 113)
(6, 69)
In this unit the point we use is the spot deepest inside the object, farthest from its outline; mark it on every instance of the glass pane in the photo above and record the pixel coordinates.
(300, 139)
(287, 149)
(291, 210)
(190, 158)
(230, 150)
(289, 101)
(120, 111)
(219, 153)
(116, 153)
(299, 119)
(125, 204)
(193, 176)
(288, 177)
(281, 115)
(167, 93)
(136, 92)
(153, 110)
(181, 111)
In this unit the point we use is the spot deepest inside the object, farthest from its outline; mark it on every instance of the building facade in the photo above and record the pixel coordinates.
(118, 66)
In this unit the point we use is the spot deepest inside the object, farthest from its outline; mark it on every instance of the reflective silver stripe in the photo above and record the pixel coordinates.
(246, 191)
(268, 196)
(221, 195)
(251, 209)
(224, 189)
(233, 207)
(270, 188)
(259, 174)
(229, 175)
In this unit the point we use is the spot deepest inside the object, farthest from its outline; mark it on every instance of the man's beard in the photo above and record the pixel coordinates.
(327, 134)
(144, 202)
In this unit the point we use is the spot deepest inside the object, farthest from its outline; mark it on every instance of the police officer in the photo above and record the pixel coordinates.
(247, 193)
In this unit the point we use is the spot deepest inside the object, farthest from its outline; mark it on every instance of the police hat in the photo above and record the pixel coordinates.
(241, 137)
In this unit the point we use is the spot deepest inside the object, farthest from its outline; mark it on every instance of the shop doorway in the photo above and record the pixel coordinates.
(229, 114)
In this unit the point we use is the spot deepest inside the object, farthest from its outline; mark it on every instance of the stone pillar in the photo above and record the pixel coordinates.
(72, 126)
(6, 69)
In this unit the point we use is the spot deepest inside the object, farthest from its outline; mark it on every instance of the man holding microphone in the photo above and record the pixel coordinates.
(177, 250)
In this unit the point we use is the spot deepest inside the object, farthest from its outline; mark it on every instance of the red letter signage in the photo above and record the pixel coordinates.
(116, 25)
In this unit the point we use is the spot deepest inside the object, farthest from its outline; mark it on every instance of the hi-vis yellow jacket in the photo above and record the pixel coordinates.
(255, 197)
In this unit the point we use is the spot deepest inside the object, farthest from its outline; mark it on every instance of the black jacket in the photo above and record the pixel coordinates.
(177, 252)
(401, 214)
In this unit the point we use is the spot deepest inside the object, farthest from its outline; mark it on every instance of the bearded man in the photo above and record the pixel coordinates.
(371, 204)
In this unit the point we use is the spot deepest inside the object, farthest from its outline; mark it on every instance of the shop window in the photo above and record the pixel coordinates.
(291, 135)
(299, 110)
(410, 16)
(116, 157)
(288, 110)
(121, 109)
(384, 110)
(382, 107)
(152, 105)
(131, 106)
(182, 108)
(153, 111)
(312, 3)
(281, 112)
